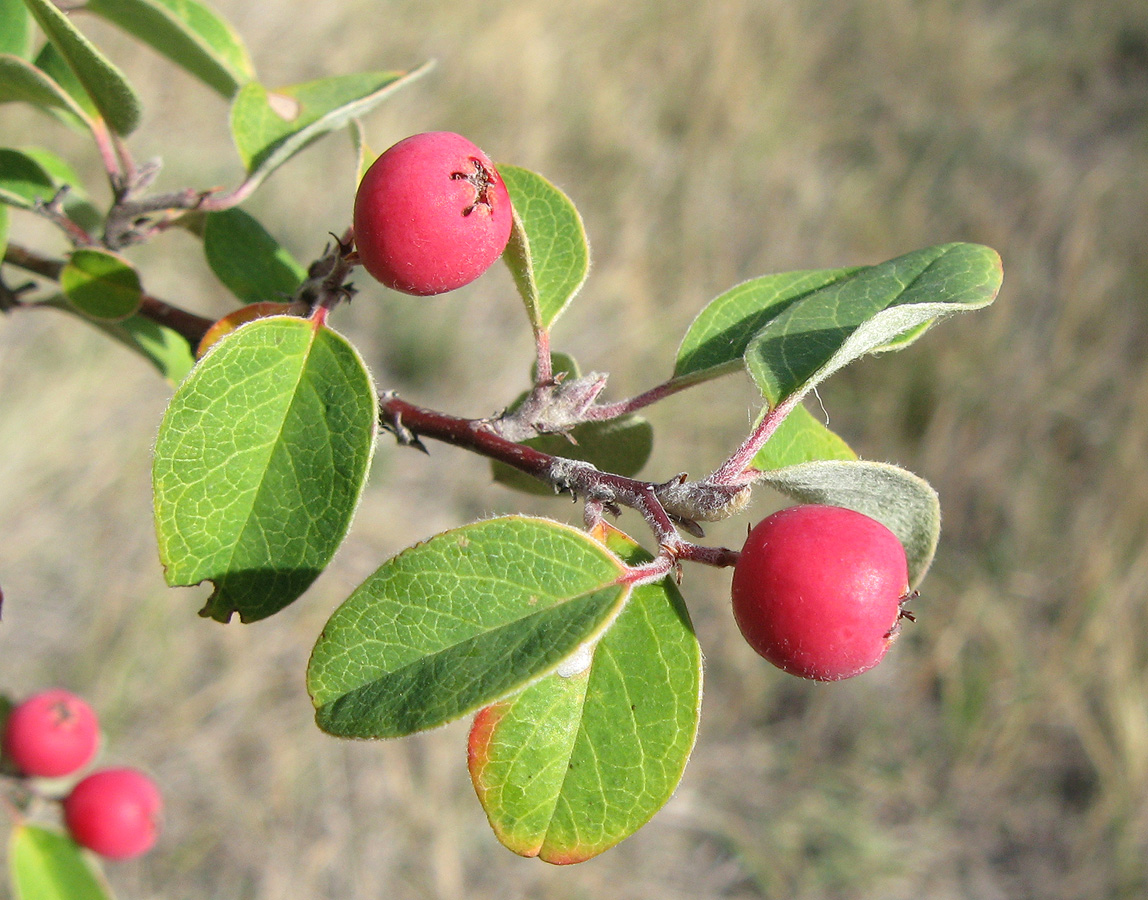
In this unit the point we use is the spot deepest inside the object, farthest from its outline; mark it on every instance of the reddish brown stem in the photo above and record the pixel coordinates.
(601, 490)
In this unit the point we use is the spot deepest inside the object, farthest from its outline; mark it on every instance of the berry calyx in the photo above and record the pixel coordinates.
(114, 812)
(818, 591)
(431, 214)
(51, 734)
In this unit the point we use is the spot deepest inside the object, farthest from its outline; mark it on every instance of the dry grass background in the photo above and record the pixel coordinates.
(1000, 752)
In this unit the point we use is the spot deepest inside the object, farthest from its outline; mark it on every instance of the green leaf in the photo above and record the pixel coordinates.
(22, 82)
(815, 337)
(903, 502)
(46, 865)
(102, 285)
(115, 98)
(163, 347)
(247, 259)
(548, 254)
(581, 759)
(260, 462)
(716, 341)
(51, 63)
(77, 204)
(4, 223)
(457, 622)
(269, 127)
(621, 446)
(15, 29)
(189, 33)
(800, 438)
(23, 181)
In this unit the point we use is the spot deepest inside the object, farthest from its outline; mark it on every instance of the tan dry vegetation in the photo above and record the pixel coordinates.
(1000, 752)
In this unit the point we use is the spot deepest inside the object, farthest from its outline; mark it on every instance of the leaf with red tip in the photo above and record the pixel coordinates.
(583, 758)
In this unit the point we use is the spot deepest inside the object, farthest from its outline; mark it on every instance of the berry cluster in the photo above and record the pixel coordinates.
(819, 591)
(115, 811)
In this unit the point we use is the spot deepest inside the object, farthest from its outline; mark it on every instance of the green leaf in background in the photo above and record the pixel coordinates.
(247, 259)
(582, 759)
(15, 29)
(815, 337)
(23, 181)
(903, 502)
(163, 347)
(800, 438)
(716, 341)
(51, 63)
(260, 462)
(115, 98)
(22, 82)
(269, 127)
(4, 223)
(46, 865)
(548, 254)
(102, 285)
(455, 623)
(77, 205)
(621, 446)
(189, 33)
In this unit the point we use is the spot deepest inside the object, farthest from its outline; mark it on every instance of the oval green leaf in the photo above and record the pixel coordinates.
(22, 82)
(115, 98)
(189, 33)
(582, 759)
(15, 29)
(163, 347)
(716, 340)
(46, 865)
(800, 438)
(548, 254)
(260, 462)
(269, 127)
(101, 284)
(903, 502)
(457, 622)
(814, 337)
(51, 63)
(23, 181)
(247, 259)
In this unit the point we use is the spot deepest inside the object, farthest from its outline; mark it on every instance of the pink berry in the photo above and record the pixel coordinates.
(431, 214)
(818, 591)
(114, 812)
(51, 734)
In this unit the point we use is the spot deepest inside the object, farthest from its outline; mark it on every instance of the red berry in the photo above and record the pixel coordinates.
(431, 214)
(51, 734)
(818, 591)
(114, 812)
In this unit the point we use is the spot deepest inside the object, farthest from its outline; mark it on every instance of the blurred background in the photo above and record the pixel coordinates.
(1001, 751)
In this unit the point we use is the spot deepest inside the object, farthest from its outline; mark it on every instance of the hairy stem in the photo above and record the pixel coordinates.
(737, 469)
(601, 490)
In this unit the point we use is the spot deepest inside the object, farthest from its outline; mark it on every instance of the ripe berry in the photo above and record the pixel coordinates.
(114, 812)
(818, 590)
(51, 734)
(431, 214)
